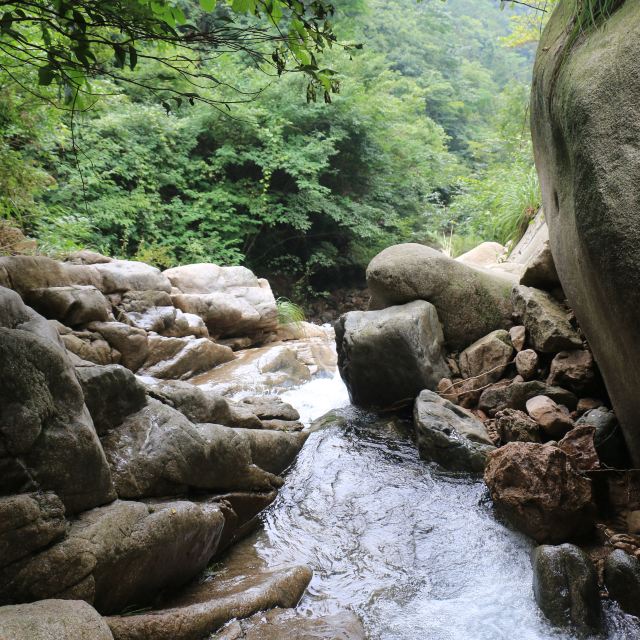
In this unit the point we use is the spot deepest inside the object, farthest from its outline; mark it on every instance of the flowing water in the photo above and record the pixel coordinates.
(415, 551)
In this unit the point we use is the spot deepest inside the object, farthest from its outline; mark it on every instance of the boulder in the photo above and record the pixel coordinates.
(111, 394)
(553, 421)
(533, 252)
(485, 254)
(158, 452)
(584, 124)
(449, 435)
(130, 342)
(181, 358)
(527, 364)
(120, 555)
(518, 336)
(389, 356)
(546, 321)
(487, 359)
(25, 273)
(14, 314)
(608, 438)
(187, 324)
(202, 405)
(72, 305)
(470, 302)
(44, 424)
(90, 347)
(515, 395)
(118, 276)
(231, 300)
(578, 444)
(283, 624)
(573, 370)
(516, 426)
(270, 408)
(565, 586)
(206, 607)
(28, 523)
(53, 620)
(86, 256)
(622, 579)
(539, 491)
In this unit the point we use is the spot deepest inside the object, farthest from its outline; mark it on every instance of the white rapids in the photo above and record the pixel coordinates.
(415, 551)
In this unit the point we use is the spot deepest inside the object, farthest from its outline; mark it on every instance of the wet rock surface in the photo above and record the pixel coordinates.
(207, 606)
(450, 435)
(279, 624)
(539, 491)
(387, 357)
(622, 579)
(565, 586)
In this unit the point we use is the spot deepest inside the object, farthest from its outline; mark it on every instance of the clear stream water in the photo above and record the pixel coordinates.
(415, 551)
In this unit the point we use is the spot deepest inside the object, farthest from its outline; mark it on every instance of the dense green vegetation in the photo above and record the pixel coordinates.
(426, 141)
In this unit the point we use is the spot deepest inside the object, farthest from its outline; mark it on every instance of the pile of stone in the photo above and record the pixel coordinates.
(502, 382)
(117, 489)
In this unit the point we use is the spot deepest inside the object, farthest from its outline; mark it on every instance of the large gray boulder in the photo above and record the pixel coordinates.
(470, 302)
(389, 356)
(158, 452)
(546, 321)
(449, 435)
(232, 301)
(72, 305)
(44, 423)
(565, 586)
(585, 130)
(120, 555)
(111, 393)
(181, 358)
(53, 620)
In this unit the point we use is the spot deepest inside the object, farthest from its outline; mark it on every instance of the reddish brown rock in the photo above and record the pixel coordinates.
(552, 419)
(539, 491)
(573, 370)
(516, 426)
(578, 444)
(446, 389)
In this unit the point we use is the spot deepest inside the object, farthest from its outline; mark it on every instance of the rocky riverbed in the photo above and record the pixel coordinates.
(152, 420)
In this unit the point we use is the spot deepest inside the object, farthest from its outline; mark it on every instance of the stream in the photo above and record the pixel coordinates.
(415, 551)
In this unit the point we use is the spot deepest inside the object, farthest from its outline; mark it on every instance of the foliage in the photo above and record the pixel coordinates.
(419, 145)
(289, 312)
(69, 42)
(499, 200)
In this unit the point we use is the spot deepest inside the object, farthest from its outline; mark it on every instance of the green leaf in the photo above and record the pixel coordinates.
(208, 5)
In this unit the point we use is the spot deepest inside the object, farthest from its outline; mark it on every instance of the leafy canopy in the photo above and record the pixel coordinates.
(70, 42)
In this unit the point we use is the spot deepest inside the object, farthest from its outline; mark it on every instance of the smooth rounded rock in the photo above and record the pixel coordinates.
(622, 579)
(565, 586)
(470, 302)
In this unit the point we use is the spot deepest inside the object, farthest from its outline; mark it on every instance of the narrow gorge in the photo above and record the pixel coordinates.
(450, 452)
